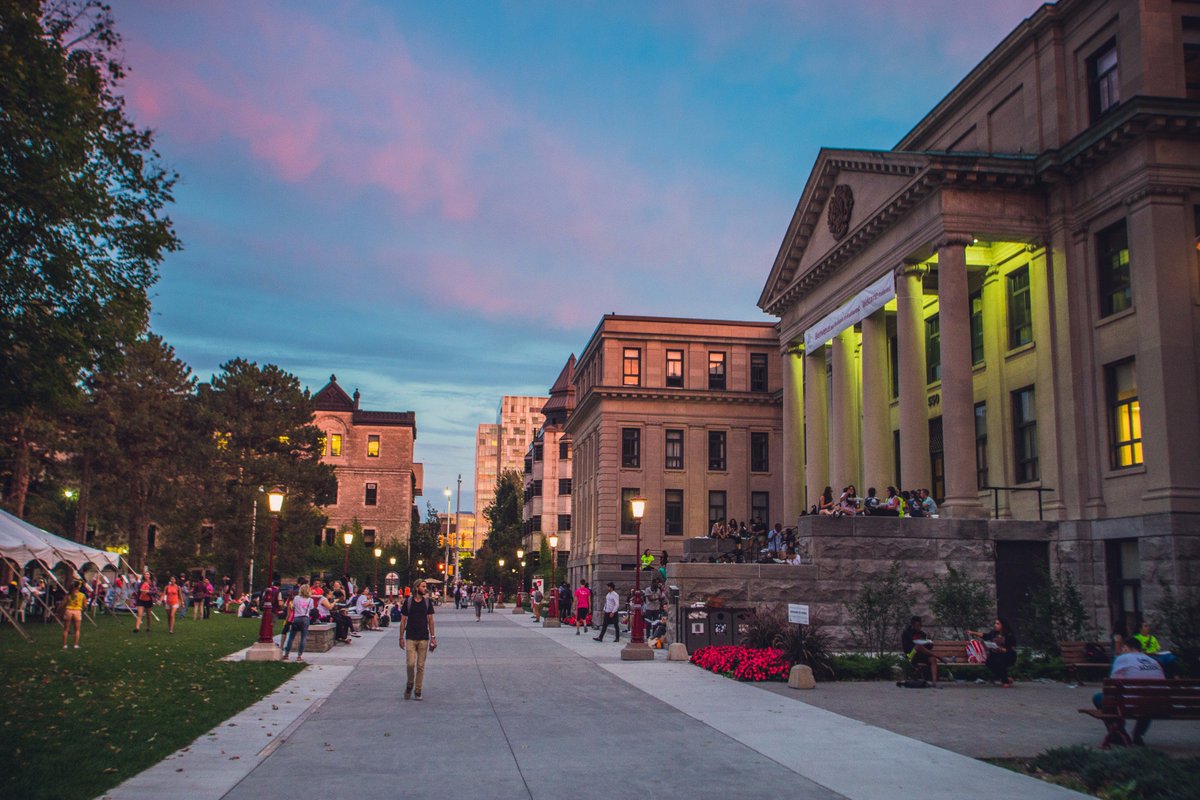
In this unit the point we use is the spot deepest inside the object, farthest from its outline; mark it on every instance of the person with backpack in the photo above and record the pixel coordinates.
(417, 637)
(477, 601)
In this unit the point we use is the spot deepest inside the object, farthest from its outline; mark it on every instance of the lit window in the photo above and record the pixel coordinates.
(1125, 414)
(631, 367)
(933, 349)
(977, 327)
(675, 369)
(1112, 262)
(716, 370)
(373, 446)
(1020, 309)
(335, 444)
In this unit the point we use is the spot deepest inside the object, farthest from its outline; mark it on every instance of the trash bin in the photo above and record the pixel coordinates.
(720, 626)
(695, 631)
(742, 617)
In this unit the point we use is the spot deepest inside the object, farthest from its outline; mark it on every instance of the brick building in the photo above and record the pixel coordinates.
(548, 472)
(372, 454)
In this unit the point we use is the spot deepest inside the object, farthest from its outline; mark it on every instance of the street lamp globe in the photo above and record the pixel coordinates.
(379, 552)
(553, 538)
(637, 507)
(520, 553)
(392, 561)
(502, 562)
(348, 538)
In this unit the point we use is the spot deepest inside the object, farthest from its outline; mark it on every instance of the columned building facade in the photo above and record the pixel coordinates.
(1004, 307)
(684, 412)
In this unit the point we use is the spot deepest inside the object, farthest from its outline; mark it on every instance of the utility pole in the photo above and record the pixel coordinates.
(457, 511)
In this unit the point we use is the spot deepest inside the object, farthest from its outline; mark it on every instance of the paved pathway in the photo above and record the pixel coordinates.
(513, 710)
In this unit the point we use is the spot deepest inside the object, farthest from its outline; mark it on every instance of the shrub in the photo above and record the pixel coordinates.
(863, 667)
(1133, 772)
(1053, 613)
(764, 628)
(808, 645)
(1178, 616)
(959, 602)
(880, 611)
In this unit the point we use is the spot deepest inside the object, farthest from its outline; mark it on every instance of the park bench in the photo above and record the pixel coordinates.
(320, 637)
(952, 651)
(1074, 656)
(1178, 698)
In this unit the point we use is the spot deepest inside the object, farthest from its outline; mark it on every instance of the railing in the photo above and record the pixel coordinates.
(995, 490)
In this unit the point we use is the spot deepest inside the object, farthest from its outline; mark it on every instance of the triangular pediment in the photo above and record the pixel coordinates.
(847, 192)
(333, 397)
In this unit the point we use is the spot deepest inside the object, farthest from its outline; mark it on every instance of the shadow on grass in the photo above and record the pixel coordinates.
(78, 722)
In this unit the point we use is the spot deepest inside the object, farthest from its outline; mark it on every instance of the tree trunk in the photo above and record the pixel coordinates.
(21, 459)
(139, 522)
(83, 507)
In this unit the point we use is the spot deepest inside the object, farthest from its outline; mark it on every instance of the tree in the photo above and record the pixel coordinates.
(1054, 612)
(260, 435)
(880, 611)
(959, 603)
(81, 199)
(140, 422)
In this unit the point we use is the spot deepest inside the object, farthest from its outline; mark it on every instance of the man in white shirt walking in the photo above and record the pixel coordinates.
(612, 601)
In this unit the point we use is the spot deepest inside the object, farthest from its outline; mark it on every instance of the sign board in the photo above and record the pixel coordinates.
(538, 583)
(798, 613)
(861, 306)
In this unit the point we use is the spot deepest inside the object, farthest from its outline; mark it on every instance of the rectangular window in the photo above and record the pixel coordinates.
(716, 451)
(368, 537)
(1025, 445)
(535, 489)
(674, 512)
(631, 367)
(933, 349)
(1125, 415)
(1020, 309)
(1191, 68)
(716, 507)
(564, 451)
(981, 462)
(675, 369)
(373, 446)
(371, 495)
(760, 457)
(535, 522)
(674, 451)
(538, 449)
(631, 447)
(1112, 263)
(937, 459)
(1104, 80)
(760, 506)
(564, 486)
(716, 370)
(335, 444)
(758, 372)
(977, 327)
(330, 536)
(564, 523)
(628, 525)
(894, 363)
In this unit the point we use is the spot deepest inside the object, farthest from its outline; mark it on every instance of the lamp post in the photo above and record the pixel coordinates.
(637, 649)
(375, 580)
(446, 576)
(520, 581)
(265, 648)
(392, 562)
(552, 620)
(348, 538)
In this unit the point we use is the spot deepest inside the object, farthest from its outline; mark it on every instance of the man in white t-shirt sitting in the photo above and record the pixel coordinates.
(1132, 664)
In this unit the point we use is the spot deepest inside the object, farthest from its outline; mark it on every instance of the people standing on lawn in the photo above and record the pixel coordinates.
(146, 593)
(173, 600)
(583, 606)
(1001, 650)
(73, 612)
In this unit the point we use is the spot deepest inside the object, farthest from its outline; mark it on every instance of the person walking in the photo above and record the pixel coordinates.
(477, 601)
(612, 602)
(173, 600)
(417, 637)
(583, 606)
(73, 613)
(146, 593)
(298, 617)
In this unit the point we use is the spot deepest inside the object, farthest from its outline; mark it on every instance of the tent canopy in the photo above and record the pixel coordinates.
(23, 542)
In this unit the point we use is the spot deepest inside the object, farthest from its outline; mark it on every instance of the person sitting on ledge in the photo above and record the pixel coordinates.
(718, 530)
(872, 503)
(826, 506)
(928, 504)
(792, 557)
(848, 502)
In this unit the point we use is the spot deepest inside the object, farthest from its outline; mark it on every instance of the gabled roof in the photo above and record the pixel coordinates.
(333, 397)
(562, 393)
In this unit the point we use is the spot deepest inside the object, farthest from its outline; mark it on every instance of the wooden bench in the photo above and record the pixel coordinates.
(1074, 656)
(320, 637)
(952, 651)
(1177, 698)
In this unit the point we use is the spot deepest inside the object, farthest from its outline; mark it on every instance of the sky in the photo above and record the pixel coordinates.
(439, 201)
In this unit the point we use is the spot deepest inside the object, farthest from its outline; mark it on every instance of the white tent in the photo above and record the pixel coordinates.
(22, 543)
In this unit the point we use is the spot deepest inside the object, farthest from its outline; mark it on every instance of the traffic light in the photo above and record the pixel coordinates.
(441, 541)
(441, 566)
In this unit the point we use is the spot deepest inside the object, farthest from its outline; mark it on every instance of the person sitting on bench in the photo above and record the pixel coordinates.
(915, 644)
(1132, 664)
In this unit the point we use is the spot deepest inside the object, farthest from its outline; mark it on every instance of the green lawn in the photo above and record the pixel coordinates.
(78, 722)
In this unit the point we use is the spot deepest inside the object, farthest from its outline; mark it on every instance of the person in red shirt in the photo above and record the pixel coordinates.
(145, 593)
(583, 606)
(172, 599)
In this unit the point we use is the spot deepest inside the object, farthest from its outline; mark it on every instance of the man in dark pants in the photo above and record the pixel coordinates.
(612, 601)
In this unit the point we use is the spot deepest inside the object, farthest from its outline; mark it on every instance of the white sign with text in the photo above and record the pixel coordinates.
(798, 613)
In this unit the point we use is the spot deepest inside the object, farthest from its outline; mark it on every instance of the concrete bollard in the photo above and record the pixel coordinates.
(677, 651)
(801, 677)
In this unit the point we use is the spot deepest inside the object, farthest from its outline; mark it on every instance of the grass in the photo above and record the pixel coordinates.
(1123, 773)
(78, 722)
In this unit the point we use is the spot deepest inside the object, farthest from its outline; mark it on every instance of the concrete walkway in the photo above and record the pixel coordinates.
(513, 710)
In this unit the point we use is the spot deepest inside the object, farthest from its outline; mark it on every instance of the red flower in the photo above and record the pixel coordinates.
(743, 663)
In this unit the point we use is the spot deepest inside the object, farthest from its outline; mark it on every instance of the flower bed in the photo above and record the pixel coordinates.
(743, 663)
(573, 621)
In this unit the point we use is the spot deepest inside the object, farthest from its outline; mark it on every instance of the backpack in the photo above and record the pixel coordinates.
(407, 606)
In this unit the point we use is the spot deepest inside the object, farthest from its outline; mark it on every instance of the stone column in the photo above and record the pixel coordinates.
(793, 433)
(995, 344)
(843, 412)
(914, 406)
(876, 391)
(958, 385)
(816, 418)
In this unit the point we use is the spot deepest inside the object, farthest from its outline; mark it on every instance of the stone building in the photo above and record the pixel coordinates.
(501, 446)
(372, 455)
(1003, 307)
(685, 412)
(547, 508)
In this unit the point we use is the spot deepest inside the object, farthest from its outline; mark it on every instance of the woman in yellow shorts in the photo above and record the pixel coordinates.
(74, 613)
